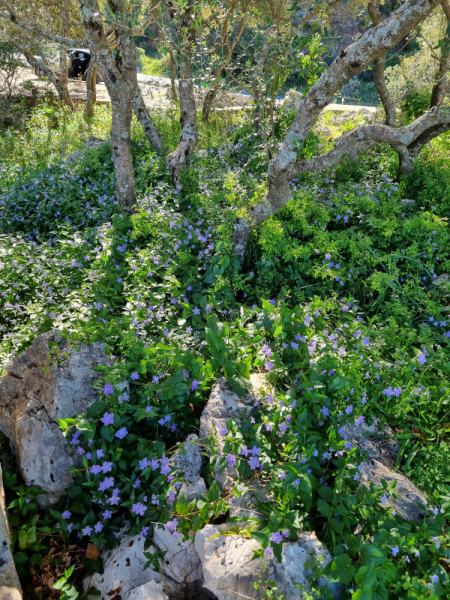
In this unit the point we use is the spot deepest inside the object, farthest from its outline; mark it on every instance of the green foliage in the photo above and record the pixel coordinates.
(335, 305)
(68, 591)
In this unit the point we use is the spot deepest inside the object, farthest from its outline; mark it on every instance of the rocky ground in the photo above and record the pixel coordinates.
(52, 380)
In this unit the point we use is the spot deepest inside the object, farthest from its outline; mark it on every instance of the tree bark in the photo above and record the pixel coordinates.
(442, 84)
(91, 89)
(378, 65)
(147, 123)
(179, 159)
(121, 152)
(208, 102)
(63, 73)
(352, 61)
(119, 74)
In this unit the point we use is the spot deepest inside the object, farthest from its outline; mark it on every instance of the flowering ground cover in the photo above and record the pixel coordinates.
(337, 303)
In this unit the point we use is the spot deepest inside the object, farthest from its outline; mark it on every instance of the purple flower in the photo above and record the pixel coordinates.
(107, 483)
(276, 537)
(86, 531)
(106, 467)
(98, 527)
(231, 459)
(324, 410)
(254, 462)
(269, 365)
(282, 474)
(422, 359)
(66, 514)
(108, 389)
(358, 421)
(395, 550)
(52, 315)
(268, 551)
(196, 311)
(365, 341)
(99, 453)
(107, 514)
(245, 451)
(144, 463)
(107, 419)
(144, 531)
(121, 433)
(134, 376)
(138, 509)
(171, 525)
(194, 385)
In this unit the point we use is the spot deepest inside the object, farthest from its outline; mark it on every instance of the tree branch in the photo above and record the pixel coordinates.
(442, 83)
(352, 61)
(403, 139)
(60, 39)
(378, 65)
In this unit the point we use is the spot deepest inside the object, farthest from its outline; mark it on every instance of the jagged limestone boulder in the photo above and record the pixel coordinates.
(189, 463)
(223, 404)
(51, 380)
(229, 571)
(10, 588)
(382, 447)
(123, 574)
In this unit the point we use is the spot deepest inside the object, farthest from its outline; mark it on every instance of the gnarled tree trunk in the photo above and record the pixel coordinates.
(353, 60)
(63, 72)
(91, 89)
(119, 74)
(179, 159)
(147, 123)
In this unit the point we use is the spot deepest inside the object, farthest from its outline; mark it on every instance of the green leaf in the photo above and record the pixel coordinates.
(363, 594)
(369, 553)
(324, 508)
(96, 410)
(182, 506)
(341, 569)
(217, 345)
(213, 492)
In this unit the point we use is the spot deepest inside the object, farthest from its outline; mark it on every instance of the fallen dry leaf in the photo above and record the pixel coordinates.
(92, 551)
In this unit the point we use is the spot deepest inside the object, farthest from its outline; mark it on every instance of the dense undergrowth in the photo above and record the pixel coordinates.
(336, 304)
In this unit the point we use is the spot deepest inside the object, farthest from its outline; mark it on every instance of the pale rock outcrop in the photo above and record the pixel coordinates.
(189, 464)
(180, 566)
(382, 447)
(51, 380)
(124, 576)
(223, 404)
(91, 143)
(9, 580)
(229, 570)
(442, 280)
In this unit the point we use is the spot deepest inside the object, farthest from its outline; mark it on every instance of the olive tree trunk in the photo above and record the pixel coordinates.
(91, 89)
(179, 159)
(63, 72)
(285, 165)
(119, 74)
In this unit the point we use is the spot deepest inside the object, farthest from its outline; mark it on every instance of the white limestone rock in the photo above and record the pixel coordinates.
(49, 381)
